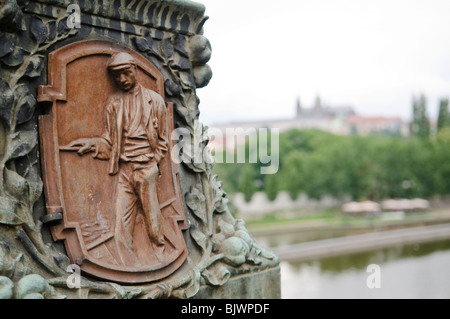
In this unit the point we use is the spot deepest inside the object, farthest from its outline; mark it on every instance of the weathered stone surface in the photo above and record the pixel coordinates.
(223, 260)
(202, 75)
(200, 49)
(261, 285)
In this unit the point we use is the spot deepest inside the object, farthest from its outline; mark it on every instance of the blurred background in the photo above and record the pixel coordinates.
(358, 94)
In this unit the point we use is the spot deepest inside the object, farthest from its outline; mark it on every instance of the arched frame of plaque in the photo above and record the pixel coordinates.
(78, 190)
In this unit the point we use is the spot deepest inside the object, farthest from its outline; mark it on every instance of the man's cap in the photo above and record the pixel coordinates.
(119, 61)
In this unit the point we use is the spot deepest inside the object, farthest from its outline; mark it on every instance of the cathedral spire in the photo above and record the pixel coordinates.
(318, 104)
(298, 108)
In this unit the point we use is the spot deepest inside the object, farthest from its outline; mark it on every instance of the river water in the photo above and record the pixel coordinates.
(405, 271)
(410, 271)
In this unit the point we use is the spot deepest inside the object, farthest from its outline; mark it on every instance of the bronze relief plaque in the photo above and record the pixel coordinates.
(106, 161)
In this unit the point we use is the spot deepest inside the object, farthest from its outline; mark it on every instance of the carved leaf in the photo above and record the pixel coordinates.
(191, 156)
(196, 167)
(141, 44)
(166, 47)
(14, 184)
(15, 58)
(187, 80)
(8, 263)
(216, 275)
(260, 251)
(35, 66)
(62, 27)
(22, 143)
(8, 209)
(222, 206)
(180, 45)
(254, 257)
(217, 189)
(194, 286)
(195, 200)
(51, 30)
(194, 152)
(25, 105)
(208, 158)
(172, 89)
(21, 90)
(181, 63)
(199, 237)
(125, 292)
(38, 29)
(19, 22)
(220, 202)
(7, 44)
(35, 185)
(6, 100)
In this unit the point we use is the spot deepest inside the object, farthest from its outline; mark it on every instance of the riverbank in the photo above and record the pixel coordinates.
(332, 221)
(328, 234)
(358, 243)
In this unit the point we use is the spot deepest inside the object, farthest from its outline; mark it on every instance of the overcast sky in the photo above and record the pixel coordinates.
(372, 55)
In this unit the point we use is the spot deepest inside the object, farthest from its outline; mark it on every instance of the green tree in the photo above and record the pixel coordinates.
(291, 176)
(272, 185)
(441, 161)
(443, 116)
(247, 181)
(370, 167)
(420, 125)
(403, 167)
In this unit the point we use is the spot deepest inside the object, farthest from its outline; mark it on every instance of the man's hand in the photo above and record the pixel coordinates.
(81, 146)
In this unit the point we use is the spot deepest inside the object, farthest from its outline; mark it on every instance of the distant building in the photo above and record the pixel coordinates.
(364, 125)
(321, 112)
(340, 120)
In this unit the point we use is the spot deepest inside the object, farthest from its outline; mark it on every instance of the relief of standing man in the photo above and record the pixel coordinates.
(134, 141)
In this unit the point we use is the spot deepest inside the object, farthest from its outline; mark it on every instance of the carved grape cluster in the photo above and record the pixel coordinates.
(28, 286)
(225, 242)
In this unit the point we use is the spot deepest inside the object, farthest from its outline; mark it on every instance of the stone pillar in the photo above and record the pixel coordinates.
(222, 261)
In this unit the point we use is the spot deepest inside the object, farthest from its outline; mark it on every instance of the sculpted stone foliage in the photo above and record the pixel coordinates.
(168, 34)
(25, 40)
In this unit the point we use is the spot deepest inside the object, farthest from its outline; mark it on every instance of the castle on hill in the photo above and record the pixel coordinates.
(340, 120)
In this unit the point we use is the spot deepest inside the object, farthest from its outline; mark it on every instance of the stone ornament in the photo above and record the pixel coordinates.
(59, 188)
